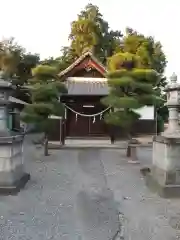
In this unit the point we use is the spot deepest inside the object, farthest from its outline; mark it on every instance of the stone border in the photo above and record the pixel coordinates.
(70, 147)
(9, 139)
(15, 189)
(166, 140)
(164, 191)
(122, 145)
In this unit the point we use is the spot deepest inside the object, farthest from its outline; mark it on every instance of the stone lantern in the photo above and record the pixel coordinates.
(12, 175)
(164, 175)
(5, 89)
(173, 104)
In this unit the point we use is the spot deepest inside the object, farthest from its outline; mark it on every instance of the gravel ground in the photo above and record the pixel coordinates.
(144, 215)
(67, 198)
(77, 195)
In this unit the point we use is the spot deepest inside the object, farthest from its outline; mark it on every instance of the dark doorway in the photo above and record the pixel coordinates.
(80, 126)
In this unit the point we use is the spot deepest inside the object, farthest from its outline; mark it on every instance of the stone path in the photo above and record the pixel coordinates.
(67, 198)
(77, 195)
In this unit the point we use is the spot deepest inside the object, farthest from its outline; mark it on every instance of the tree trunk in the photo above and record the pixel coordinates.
(128, 152)
(46, 145)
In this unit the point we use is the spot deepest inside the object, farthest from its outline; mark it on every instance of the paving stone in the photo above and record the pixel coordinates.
(77, 195)
(67, 198)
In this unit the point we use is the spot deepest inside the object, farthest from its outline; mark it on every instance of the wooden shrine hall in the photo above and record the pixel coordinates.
(86, 84)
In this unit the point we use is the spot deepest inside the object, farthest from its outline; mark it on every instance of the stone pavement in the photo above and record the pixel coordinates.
(77, 195)
(67, 198)
(99, 143)
(87, 144)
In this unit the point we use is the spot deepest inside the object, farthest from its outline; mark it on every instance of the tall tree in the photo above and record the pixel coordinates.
(45, 88)
(23, 73)
(17, 65)
(10, 55)
(66, 58)
(131, 87)
(91, 32)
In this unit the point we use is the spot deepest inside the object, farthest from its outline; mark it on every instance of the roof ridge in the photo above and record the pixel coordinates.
(78, 60)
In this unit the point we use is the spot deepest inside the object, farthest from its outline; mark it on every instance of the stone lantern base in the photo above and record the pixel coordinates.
(12, 175)
(164, 176)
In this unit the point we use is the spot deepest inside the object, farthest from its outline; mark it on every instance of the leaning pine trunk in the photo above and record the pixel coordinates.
(46, 144)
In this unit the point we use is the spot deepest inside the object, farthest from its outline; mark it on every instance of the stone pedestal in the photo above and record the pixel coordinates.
(164, 177)
(133, 154)
(12, 175)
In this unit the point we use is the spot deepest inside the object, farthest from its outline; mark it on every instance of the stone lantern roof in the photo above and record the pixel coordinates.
(173, 85)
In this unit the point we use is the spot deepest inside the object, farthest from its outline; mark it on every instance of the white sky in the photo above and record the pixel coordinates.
(42, 26)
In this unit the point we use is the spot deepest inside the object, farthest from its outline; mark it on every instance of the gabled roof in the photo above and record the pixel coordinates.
(79, 60)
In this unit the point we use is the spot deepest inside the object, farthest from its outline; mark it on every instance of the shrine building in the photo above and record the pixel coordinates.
(86, 83)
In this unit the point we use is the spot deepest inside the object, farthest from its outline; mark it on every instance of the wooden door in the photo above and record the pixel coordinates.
(97, 126)
(80, 126)
(76, 126)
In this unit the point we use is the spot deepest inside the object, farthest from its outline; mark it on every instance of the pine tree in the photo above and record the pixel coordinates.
(131, 87)
(45, 88)
(148, 50)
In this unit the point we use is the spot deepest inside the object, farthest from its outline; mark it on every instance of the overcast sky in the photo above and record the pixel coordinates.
(42, 26)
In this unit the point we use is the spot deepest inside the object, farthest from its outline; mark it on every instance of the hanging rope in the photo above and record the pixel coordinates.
(87, 115)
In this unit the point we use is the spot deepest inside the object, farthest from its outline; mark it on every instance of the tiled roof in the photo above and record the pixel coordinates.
(87, 88)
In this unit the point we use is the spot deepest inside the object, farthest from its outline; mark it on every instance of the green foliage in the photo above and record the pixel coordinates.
(123, 60)
(17, 65)
(120, 102)
(147, 50)
(43, 73)
(66, 58)
(90, 32)
(131, 87)
(45, 90)
(86, 32)
(15, 62)
(23, 72)
(43, 70)
(122, 118)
